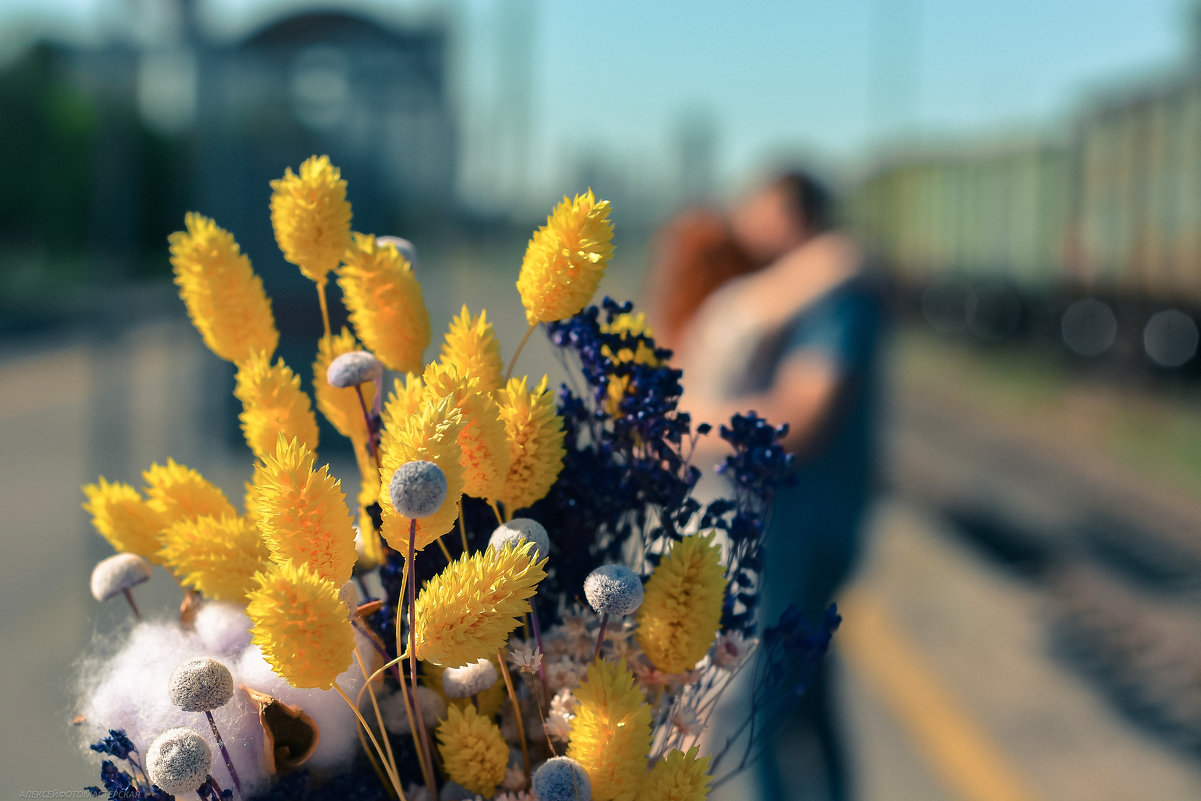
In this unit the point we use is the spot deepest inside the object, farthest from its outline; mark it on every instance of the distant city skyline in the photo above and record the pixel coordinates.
(620, 83)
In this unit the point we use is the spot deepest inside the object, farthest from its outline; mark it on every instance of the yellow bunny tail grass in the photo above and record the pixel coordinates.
(535, 434)
(224, 297)
(611, 732)
(302, 512)
(301, 624)
(177, 492)
(467, 611)
(431, 435)
(681, 610)
(311, 217)
(273, 404)
(474, 753)
(385, 303)
(566, 259)
(124, 518)
(678, 776)
(216, 556)
(485, 448)
(472, 348)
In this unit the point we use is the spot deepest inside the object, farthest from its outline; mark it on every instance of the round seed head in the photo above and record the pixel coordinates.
(178, 761)
(418, 489)
(562, 779)
(468, 680)
(200, 685)
(117, 574)
(403, 246)
(520, 530)
(613, 590)
(353, 368)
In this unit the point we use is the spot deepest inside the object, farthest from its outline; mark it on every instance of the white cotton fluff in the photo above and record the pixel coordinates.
(129, 691)
(396, 718)
(223, 629)
(335, 720)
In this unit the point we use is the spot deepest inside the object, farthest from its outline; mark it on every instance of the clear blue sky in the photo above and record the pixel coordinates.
(837, 78)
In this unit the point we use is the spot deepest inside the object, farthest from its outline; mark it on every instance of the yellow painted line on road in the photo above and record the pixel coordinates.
(958, 751)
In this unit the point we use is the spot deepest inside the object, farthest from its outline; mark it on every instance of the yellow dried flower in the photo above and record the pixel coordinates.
(482, 439)
(535, 434)
(430, 435)
(565, 259)
(272, 404)
(471, 346)
(301, 624)
(177, 492)
(302, 512)
(311, 217)
(217, 556)
(678, 776)
(627, 326)
(467, 611)
(124, 518)
(681, 611)
(611, 732)
(385, 303)
(224, 297)
(474, 753)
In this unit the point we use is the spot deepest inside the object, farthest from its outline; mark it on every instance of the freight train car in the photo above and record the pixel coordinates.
(1094, 239)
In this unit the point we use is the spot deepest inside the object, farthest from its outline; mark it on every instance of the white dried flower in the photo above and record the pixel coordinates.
(118, 573)
(200, 685)
(526, 659)
(470, 679)
(731, 649)
(353, 368)
(178, 761)
(518, 531)
(686, 722)
(613, 590)
(418, 489)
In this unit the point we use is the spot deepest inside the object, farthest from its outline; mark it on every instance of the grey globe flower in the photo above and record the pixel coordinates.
(353, 368)
(200, 685)
(418, 489)
(116, 574)
(520, 530)
(562, 779)
(470, 679)
(613, 590)
(178, 761)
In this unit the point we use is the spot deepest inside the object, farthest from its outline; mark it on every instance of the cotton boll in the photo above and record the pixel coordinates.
(335, 720)
(129, 691)
(223, 628)
(396, 717)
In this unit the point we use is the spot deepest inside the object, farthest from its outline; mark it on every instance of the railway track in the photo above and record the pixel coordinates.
(1116, 555)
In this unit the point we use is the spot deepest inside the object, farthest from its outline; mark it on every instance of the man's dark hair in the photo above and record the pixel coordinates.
(813, 200)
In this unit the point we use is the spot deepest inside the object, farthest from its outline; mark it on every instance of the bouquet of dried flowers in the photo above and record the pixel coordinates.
(524, 600)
